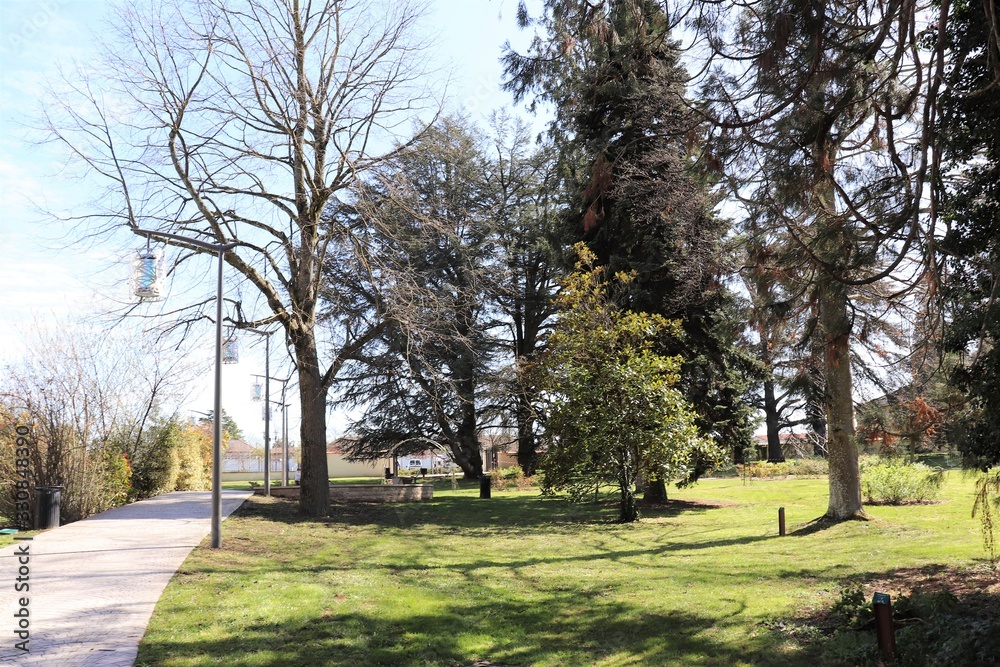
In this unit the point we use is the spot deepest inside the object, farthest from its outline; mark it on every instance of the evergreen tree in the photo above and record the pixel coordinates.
(523, 201)
(969, 135)
(610, 70)
(814, 104)
(430, 374)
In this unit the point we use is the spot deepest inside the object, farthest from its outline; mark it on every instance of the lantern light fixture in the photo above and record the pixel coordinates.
(147, 273)
(231, 349)
(220, 250)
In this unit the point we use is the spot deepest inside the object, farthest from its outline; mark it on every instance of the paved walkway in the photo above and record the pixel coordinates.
(94, 583)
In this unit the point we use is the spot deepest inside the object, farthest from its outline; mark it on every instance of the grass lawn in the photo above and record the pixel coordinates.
(521, 580)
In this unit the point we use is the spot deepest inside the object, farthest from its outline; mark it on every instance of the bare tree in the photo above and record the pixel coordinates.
(244, 122)
(85, 399)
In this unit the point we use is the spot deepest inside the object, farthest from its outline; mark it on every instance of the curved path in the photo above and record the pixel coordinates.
(94, 583)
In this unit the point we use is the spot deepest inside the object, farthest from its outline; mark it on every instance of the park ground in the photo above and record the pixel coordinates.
(524, 580)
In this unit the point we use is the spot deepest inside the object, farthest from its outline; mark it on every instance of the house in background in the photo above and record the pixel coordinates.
(338, 466)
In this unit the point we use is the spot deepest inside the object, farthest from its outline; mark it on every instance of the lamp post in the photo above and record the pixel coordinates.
(257, 389)
(267, 407)
(220, 249)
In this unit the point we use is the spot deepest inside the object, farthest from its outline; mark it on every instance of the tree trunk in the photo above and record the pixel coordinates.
(314, 498)
(527, 456)
(774, 453)
(628, 508)
(655, 492)
(845, 480)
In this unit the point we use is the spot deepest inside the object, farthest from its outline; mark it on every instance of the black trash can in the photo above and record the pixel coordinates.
(484, 486)
(47, 500)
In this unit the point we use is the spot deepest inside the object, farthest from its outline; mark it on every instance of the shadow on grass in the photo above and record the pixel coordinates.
(510, 517)
(819, 524)
(554, 630)
(514, 510)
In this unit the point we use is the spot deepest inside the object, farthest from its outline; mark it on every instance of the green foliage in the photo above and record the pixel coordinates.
(636, 193)
(117, 484)
(613, 411)
(229, 425)
(191, 475)
(933, 629)
(971, 248)
(987, 500)
(894, 481)
(158, 465)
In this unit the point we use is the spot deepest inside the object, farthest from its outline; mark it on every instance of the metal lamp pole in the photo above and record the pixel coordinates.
(267, 407)
(220, 249)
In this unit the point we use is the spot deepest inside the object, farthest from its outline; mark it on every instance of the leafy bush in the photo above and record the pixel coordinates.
(117, 486)
(808, 466)
(505, 478)
(893, 481)
(191, 467)
(765, 470)
(933, 629)
(158, 465)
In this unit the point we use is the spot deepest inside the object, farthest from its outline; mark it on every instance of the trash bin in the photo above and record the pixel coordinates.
(484, 486)
(47, 506)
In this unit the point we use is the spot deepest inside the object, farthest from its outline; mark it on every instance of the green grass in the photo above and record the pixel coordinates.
(521, 580)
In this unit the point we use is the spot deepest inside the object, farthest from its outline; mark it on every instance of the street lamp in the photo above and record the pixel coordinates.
(267, 406)
(220, 249)
(231, 348)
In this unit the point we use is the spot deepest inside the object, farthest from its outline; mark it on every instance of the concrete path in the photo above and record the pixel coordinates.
(94, 583)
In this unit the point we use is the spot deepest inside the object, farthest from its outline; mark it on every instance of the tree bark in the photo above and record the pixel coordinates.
(655, 491)
(527, 454)
(774, 453)
(314, 498)
(845, 480)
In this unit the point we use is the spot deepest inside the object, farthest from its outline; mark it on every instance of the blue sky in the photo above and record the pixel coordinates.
(47, 273)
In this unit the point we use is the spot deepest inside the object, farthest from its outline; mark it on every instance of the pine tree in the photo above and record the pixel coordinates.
(610, 71)
(970, 143)
(814, 107)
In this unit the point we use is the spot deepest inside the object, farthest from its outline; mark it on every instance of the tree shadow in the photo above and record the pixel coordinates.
(819, 524)
(555, 629)
(501, 513)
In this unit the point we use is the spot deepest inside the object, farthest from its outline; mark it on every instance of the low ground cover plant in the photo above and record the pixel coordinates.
(943, 617)
(803, 467)
(894, 481)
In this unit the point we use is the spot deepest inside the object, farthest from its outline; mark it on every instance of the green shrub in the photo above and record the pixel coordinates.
(893, 481)
(933, 629)
(808, 466)
(156, 469)
(505, 478)
(117, 483)
(191, 467)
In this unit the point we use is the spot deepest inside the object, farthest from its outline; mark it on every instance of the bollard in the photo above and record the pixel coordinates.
(484, 486)
(884, 630)
(781, 521)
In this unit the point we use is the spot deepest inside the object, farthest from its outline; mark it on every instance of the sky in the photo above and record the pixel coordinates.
(49, 275)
